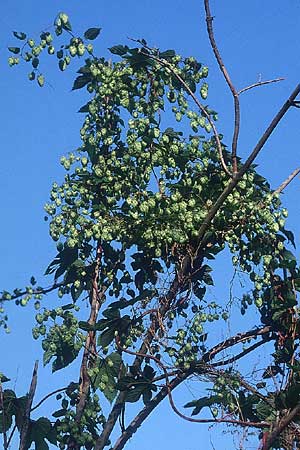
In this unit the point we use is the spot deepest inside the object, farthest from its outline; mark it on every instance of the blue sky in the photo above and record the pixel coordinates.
(256, 39)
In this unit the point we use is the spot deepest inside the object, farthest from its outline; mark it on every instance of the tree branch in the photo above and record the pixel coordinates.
(238, 338)
(26, 417)
(164, 302)
(277, 430)
(89, 350)
(241, 354)
(47, 396)
(237, 119)
(287, 181)
(260, 83)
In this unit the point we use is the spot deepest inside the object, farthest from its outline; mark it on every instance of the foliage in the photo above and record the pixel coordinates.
(134, 242)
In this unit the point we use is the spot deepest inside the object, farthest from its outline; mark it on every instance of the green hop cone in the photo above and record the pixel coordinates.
(41, 80)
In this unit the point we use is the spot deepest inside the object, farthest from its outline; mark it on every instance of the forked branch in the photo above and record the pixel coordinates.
(235, 94)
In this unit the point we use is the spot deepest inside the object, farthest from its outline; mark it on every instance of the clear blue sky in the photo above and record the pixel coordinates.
(39, 125)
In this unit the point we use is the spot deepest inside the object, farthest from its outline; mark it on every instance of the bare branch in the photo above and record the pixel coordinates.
(11, 435)
(237, 119)
(260, 83)
(241, 354)
(47, 396)
(237, 339)
(286, 182)
(26, 417)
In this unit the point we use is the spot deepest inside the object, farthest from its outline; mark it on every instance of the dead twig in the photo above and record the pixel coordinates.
(235, 94)
(260, 83)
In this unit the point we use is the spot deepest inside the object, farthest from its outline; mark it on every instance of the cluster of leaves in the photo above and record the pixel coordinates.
(31, 49)
(136, 193)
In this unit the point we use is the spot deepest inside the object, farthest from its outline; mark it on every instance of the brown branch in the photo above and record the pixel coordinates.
(167, 391)
(237, 339)
(165, 302)
(88, 357)
(5, 442)
(237, 119)
(36, 291)
(145, 412)
(232, 184)
(278, 429)
(241, 354)
(26, 416)
(11, 435)
(47, 396)
(198, 103)
(287, 181)
(260, 83)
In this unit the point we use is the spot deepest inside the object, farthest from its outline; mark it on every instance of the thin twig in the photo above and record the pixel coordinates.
(241, 354)
(237, 339)
(47, 396)
(237, 119)
(5, 442)
(260, 83)
(287, 181)
(11, 435)
(26, 417)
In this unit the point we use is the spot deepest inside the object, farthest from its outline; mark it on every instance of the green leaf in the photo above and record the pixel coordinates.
(167, 54)
(59, 413)
(119, 50)
(111, 313)
(290, 236)
(41, 80)
(135, 393)
(3, 378)
(202, 403)
(64, 357)
(84, 108)
(116, 359)
(19, 35)
(14, 50)
(106, 337)
(60, 54)
(76, 291)
(35, 62)
(81, 81)
(92, 33)
(7, 420)
(86, 326)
